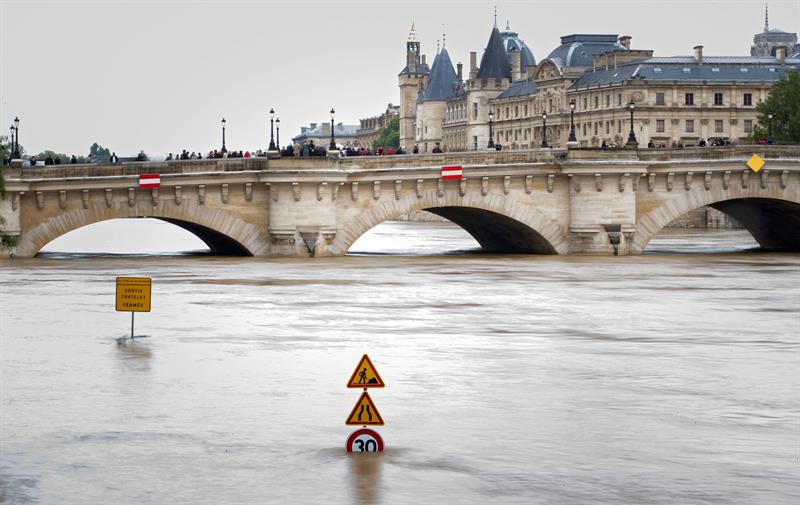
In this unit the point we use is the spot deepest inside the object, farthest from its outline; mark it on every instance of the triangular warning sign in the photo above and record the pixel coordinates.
(364, 412)
(365, 375)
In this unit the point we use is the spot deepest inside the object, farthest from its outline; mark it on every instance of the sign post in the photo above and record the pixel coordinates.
(133, 295)
(365, 412)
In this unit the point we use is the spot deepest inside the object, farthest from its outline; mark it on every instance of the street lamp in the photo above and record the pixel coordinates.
(544, 130)
(11, 147)
(16, 154)
(572, 122)
(271, 129)
(631, 136)
(223, 136)
(491, 139)
(332, 147)
(278, 132)
(769, 136)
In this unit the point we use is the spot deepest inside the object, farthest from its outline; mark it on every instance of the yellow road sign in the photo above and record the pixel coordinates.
(365, 412)
(365, 375)
(133, 294)
(755, 163)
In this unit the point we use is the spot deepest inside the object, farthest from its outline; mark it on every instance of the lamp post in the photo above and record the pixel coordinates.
(572, 122)
(332, 147)
(16, 154)
(544, 130)
(631, 136)
(271, 129)
(11, 146)
(278, 133)
(491, 139)
(223, 136)
(769, 134)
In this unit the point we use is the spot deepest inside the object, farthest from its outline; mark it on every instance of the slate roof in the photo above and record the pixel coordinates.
(685, 69)
(443, 80)
(512, 41)
(421, 69)
(494, 62)
(324, 131)
(578, 50)
(519, 88)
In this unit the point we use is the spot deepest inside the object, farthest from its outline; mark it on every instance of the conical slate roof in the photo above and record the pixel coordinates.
(443, 79)
(494, 62)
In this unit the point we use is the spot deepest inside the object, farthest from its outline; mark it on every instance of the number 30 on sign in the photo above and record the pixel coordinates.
(364, 440)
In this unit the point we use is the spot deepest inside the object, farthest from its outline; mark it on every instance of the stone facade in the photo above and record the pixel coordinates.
(370, 128)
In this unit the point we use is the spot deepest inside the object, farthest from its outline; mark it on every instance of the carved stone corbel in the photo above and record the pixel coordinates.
(201, 193)
(528, 184)
(574, 183)
(296, 191)
(484, 185)
(178, 195)
(688, 184)
(40, 199)
(419, 187)
(784, 178)
(335, 192)
(462, 186)
(598, 182)
(623, 180)
(551, 180)
(321, 190)
(440, 189)
(224, 193)
(707, 181)
(764, 175)
(62, 199)
(354, 191)
(670, 178)
(726, 179)
(398, 189)
(154, 194)
(506, 184)
(745, 178)
(85, 198)
(248, 191)
(131, 197)
(376, 190)
(651, 182)
(635, 182)
(109, 199)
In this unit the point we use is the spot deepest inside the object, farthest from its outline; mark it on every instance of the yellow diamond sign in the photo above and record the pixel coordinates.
(755, 163)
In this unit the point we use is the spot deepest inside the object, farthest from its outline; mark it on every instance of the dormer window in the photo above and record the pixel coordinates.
(687, 70)
(657, 70)
(744, 69)
(715, 69)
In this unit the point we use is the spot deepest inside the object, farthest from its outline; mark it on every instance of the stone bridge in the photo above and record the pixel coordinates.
(539, 201)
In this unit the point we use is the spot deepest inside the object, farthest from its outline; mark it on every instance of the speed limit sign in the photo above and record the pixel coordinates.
(364, 440)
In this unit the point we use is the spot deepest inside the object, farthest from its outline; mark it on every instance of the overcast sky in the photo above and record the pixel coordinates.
(160, 75)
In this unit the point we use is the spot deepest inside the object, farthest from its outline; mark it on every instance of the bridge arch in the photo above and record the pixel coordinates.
(771, 214)
(497, 222)
(222, 232)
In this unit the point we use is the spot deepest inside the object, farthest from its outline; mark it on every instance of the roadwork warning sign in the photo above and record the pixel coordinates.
(133, 294)
(365, 375)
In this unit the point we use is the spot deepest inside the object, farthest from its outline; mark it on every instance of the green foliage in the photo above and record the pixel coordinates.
(44, 154)
(784, 104)
(389, 136)
(97, 150)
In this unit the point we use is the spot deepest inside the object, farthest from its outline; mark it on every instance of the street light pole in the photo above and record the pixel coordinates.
(631, 136)
(271, 129)
(16, 154)
(544, 130)
(491, 138)
(770, 141)
(572, 122)
(223, 136)
(11, 147)
(332, 147)
(278, 133)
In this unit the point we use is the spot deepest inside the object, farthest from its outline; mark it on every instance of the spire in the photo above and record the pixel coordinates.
(508, 26)
(443, 79)
(444, 36)
(766, 17)
(412, 35)
(437, 46)
(495, 16)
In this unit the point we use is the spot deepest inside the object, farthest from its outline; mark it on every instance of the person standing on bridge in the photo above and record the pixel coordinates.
(114, 158)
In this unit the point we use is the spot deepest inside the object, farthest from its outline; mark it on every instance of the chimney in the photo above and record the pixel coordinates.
(780, 53)
(516, 63)
(460, 67)
(423, 60)
(312, 126)
(303, 129)
(473, 64)
(625, 40)
(698, 54)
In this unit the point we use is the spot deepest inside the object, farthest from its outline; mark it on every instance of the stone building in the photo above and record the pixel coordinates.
(369, 128)
(676, 100)
(767, 42)
(320, 133)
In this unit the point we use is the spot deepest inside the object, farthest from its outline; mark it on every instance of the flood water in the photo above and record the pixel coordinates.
(666, 378)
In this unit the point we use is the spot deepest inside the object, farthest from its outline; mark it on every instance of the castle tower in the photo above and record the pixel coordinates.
(412, 80)
(431, 107)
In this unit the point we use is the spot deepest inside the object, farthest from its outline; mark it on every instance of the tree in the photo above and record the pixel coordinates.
(98, 151)
(389, 136)
(784, 104)
(44, 154)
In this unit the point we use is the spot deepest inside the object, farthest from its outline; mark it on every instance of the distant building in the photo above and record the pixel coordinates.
(320, 133)
(370, 127)
(768, 42)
